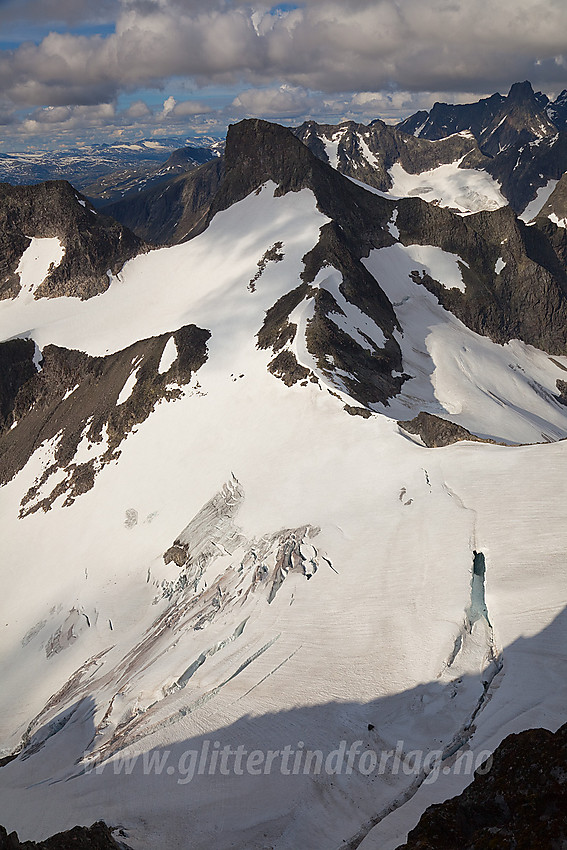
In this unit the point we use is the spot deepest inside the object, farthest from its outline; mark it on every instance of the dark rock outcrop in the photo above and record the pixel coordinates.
(387, 145)
(557, 111)
(96, 837)
(519, 804)
(258, 152)
(495, 121)
(527, 300)
(445, 119)
(557, 203)
(437, 432)
(16, 368)
(522, 135)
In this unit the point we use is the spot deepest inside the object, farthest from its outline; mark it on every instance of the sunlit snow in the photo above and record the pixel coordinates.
(464, 189)
(394, 529)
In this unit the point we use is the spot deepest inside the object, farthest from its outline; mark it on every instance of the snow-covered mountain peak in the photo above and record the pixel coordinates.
(222, 525)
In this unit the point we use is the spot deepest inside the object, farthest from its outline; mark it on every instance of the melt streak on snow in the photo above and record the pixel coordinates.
(115, 656)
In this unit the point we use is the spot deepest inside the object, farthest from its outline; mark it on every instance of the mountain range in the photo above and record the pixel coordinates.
(281, 469)
(108, 171)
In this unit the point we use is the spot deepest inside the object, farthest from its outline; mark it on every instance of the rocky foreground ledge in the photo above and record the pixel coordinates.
(96, 837)
(520, 804)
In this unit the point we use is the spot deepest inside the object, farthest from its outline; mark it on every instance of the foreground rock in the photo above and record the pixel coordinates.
(96, 837)
(520, 803)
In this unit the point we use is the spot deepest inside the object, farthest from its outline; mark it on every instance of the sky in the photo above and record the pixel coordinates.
(74, 72)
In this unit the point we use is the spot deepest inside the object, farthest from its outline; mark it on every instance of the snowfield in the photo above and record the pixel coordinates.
(466, 190)
(503, 392)
(367, 637)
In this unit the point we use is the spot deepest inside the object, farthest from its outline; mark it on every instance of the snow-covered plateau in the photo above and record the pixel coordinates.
(321, 582)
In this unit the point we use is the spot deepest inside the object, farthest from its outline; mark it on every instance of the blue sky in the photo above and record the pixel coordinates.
(74, 72)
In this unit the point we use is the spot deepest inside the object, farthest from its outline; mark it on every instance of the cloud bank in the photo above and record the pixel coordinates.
(282, 61)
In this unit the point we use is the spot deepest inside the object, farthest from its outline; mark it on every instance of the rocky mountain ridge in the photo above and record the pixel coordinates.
(244, 485)
(120, 184)
(96, 837)
(93, 244)
(469, 157)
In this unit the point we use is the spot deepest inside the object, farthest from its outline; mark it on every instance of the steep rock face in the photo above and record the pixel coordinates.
(524, 168)
(94, 244)
(519, 803)
(171, 213)
(444, 119)
(257, 152)
(521, 119)
(556, 206)
(557, 111)
(525, 299)
(495, 121)
(16, 368)
(96, 837)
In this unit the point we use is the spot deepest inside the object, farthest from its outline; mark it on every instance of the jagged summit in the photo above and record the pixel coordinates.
(445, 119)
(496, 122)
(521, 91)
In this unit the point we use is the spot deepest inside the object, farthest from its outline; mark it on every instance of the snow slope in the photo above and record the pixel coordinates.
(112, 656)
(463, 189)
(504, 392)
(542, 196)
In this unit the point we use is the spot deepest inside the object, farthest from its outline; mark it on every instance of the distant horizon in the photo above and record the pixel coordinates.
(132, 136)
